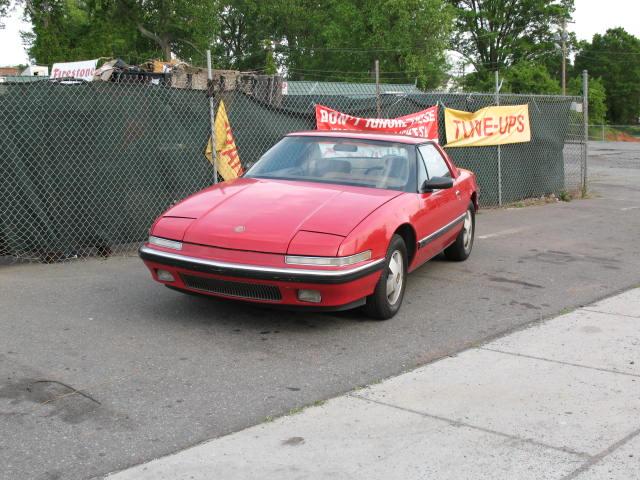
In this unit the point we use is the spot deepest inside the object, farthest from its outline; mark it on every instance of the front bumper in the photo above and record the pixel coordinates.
(337, 286)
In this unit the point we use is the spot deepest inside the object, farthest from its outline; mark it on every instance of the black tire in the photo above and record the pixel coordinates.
(379, 306)
(460, 250)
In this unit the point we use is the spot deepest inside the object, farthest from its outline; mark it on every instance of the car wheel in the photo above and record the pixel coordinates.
(387, 297)
(461, 248)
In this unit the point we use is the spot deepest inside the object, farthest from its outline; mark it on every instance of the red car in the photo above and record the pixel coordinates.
(329, 220)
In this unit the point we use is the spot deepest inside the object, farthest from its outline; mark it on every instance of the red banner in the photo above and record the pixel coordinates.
(422, 124)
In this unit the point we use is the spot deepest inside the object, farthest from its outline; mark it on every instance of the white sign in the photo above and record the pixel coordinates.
(79, 70)
(576, 107)
(285, 87)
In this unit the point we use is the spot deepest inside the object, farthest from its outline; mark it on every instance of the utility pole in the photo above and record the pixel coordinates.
(377, 66)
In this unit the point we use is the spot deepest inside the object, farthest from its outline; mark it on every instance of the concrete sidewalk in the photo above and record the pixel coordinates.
(559, 400)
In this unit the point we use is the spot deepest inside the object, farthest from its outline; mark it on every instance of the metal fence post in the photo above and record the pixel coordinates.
(603, 139)
(378, 107)
(499, 152)
(213, 120)
(585, 114)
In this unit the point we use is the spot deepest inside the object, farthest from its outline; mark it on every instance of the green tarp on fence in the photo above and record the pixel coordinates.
(89, 166)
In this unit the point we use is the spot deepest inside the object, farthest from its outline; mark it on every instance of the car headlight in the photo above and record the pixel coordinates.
(328, 261)
(164, 242)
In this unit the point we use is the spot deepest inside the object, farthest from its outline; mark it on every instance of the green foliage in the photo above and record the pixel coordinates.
(270, 64)
(613, 57)
(529, 77)
(339, 41)
(344, 38)
(4, 9)
(522, 77)
(246, 31)
(182, 27)
(493, 34)
(67, 30)
(597, 98)
(565, 196)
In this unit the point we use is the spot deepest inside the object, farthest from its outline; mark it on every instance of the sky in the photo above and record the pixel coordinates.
(590, 17)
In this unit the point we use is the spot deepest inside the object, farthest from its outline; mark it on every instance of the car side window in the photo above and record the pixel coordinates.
(436, 166)
(422, 171)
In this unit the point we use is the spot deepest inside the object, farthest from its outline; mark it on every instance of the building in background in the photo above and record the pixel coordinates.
(35, 71)
(9, 71)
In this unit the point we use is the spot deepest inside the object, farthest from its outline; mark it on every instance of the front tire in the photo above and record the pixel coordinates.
(461, 248)
(387, 297)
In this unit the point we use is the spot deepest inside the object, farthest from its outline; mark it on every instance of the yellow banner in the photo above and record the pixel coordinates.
(228, 161)
(488, 126)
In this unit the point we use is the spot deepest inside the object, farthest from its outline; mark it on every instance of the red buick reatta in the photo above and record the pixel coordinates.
(324, 220)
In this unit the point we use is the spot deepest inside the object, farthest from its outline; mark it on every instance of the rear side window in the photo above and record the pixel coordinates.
(436, 165)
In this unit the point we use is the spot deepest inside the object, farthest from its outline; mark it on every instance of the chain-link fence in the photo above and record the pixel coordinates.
(614, 133)
(85, 168)
(550, 163)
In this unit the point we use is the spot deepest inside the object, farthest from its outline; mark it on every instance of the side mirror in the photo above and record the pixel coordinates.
(436, 183)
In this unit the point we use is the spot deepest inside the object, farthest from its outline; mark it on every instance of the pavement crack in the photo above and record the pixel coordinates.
(515, 282)
(560, 362)
(458, 423)
(599, 456)
(587, 309)
(69, 387)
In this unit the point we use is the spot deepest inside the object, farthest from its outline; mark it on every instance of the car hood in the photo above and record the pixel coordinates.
(264, 215)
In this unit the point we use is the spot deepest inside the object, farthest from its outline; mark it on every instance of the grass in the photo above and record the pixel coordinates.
(616, 133)
(565, 196)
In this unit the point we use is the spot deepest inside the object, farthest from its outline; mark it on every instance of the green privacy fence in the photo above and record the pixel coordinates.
(550, 163)
(86, 167)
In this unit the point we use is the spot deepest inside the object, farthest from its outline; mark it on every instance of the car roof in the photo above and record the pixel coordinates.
(384, 137)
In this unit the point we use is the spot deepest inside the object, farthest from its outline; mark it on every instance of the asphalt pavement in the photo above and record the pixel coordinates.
(559, 400)
(102, 369)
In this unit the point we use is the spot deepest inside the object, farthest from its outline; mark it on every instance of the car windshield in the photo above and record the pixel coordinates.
(345, 161)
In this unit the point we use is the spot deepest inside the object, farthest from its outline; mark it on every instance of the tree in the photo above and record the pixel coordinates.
(523, 77)
(4, 10)
(613, 57)
(65, 30)
(529, 77)
(246, 33)
(342, 39)
(270, 63)
(334, 39)
(185, 28)
(597, 98)
(494, 34)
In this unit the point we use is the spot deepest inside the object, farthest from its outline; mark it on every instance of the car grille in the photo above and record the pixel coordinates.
(232, 289)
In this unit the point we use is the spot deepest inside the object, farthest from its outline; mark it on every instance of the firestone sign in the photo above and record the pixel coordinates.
(83, 70)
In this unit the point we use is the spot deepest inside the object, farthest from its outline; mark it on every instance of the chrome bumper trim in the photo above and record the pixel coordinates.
(258, 272)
